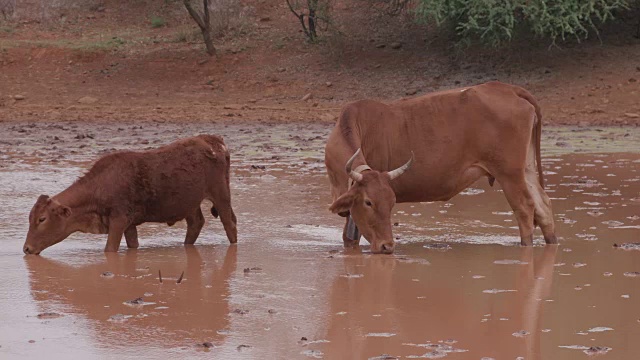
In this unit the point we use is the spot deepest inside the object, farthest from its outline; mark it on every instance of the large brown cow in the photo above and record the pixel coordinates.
(452, 138)
(125, 189)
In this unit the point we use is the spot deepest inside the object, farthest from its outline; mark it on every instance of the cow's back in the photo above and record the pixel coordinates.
(177, 177)
(159, 185)
(447, 131)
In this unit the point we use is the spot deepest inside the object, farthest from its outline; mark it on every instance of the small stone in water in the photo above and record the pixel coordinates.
(510, 262)
(628, 246)
(313, 353)
(600, 329)
(521, 333)
(435, 354)
(136, 301)
(48, 315)
(437, 246)
(207, 344)
(384, 357)
(597, 350)
(119, 317)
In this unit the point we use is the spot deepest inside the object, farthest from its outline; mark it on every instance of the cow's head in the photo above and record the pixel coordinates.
(370, 201)
(48, 225)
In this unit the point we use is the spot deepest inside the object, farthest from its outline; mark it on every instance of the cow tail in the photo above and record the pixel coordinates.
(537, 129)
(538, 141)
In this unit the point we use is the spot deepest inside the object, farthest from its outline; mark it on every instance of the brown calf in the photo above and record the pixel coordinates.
(125, 189)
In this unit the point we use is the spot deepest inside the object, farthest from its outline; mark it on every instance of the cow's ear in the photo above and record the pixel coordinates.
(65, 211)
(43, 199)
(343, 203)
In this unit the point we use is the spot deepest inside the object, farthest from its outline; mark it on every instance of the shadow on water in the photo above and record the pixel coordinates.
(401, 308)
(124, 303)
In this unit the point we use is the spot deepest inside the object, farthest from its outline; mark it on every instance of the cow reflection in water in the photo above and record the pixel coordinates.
(387, 310)
(183, 314)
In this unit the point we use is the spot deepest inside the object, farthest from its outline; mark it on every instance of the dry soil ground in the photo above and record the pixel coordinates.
(109, 63)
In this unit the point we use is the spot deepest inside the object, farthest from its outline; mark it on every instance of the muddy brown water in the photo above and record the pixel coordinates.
(458, 286)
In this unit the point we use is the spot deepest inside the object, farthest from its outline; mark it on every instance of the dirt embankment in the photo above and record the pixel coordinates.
(110, 63)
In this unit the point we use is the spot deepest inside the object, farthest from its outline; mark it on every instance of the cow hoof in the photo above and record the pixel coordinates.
(528, 241)
(551, 240)
(351, 243)
(132, 245)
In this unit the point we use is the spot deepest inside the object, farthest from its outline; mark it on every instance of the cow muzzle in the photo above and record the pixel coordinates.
(388, 248)
(29, 250)
(385, 248)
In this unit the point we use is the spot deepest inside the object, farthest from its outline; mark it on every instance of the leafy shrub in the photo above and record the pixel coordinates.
(312, 14)
(496, 21)
(157, 22)
(229, 16)
(7, 8)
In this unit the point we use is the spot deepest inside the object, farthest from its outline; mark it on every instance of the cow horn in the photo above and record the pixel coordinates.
(399, 171)
(354, 175)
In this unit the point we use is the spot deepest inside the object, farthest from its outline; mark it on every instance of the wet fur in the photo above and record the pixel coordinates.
(164, 185)
(490, 130)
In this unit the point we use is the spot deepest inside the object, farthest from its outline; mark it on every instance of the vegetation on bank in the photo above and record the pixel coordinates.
(487, 22)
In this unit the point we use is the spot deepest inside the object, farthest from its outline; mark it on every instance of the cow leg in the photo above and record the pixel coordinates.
(221, 198)
(228, 218)
(350, 233)
(117, 226)
(229, 221)
(543, 214)
(515, 189)
(195, 222)
(131, 235)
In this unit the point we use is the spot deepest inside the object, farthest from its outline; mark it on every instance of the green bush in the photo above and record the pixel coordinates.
(157, 22)
(495, 22)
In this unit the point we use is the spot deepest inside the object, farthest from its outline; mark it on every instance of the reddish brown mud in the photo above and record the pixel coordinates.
(458, 285)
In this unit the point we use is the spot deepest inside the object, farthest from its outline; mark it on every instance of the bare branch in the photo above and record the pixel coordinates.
(205, 25)
(206, 14)
(301, 18)
(194, 14)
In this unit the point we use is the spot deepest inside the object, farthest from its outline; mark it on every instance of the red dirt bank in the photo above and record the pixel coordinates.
(141, 73)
